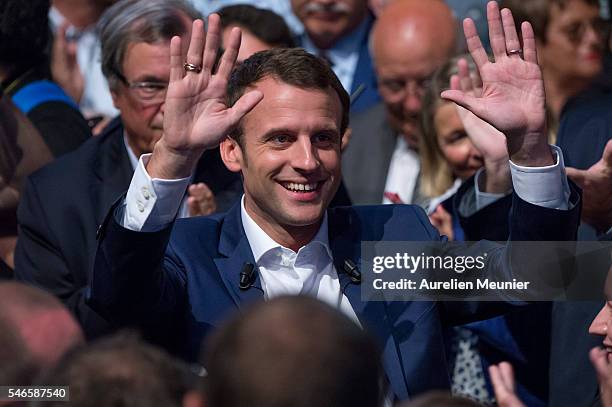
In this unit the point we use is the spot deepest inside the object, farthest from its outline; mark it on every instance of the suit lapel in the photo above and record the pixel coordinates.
(387, 141)
(236, 251)
(345, 236)
(112, 171)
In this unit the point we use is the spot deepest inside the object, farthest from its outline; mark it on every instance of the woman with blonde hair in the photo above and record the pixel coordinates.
(455, 145)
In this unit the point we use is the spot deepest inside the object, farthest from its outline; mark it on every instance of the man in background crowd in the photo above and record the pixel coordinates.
(410, 40)
(63, 204)
(339, 32)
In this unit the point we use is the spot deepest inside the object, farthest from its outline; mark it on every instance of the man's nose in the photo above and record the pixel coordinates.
(412, 103)
(599, 326)
(304, 155)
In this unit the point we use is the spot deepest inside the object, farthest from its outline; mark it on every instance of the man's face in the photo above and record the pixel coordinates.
(574, 41)
(403, 77)
(143, 117)
(602, 324)
(328, 20)
(290, 156)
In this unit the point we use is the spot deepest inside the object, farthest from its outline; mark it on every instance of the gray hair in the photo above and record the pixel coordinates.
(131, 21)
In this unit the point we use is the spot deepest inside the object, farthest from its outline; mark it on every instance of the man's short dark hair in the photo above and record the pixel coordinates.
(264, 24)
(121, 370)
(292, 66)
(537, 12)
(292, 351)
(24, 33)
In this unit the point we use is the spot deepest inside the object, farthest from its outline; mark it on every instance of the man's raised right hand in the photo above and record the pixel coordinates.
(196, 116)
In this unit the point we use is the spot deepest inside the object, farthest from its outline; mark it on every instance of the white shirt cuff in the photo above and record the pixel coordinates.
(543, 186)
(152, 203)
(484, 198)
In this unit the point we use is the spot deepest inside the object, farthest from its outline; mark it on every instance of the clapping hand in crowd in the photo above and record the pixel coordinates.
(64, 65)
(201, 200)
(596, 184)
(502, 378)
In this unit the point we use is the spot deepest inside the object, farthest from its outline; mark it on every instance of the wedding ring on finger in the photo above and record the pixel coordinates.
(518, 52)
(192, 68)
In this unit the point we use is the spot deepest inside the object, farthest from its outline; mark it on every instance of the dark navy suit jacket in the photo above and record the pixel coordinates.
(184, 280)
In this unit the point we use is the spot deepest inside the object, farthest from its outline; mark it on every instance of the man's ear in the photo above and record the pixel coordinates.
(114, 96)
(231, 154)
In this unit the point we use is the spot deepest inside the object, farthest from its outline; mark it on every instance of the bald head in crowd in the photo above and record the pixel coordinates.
(36, 329)
(293, 351)
(410, 40)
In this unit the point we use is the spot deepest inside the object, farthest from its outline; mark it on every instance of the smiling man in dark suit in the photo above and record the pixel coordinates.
(285, 113)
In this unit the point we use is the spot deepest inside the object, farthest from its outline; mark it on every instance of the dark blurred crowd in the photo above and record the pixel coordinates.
(84, 85)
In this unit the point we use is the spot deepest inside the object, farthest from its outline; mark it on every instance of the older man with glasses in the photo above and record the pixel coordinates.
(64, 203)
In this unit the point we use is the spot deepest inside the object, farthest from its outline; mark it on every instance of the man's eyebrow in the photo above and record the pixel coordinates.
(286, 130)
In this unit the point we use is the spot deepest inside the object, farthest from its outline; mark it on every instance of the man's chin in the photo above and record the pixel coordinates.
(411, 135)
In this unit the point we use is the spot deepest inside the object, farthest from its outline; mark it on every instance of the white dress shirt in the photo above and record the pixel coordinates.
(310, 271)
(403, 172)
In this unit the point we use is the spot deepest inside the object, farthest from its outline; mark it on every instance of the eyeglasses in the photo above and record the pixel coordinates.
(575, 32)
(148, 91)
(397, 88)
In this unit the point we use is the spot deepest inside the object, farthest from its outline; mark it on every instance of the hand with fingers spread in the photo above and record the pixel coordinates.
(486, 138)
(596, 184)
(502, 378)
(201, 200)
(196, 116)
(512, 98)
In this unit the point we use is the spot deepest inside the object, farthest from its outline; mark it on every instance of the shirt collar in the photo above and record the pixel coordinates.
(261, 243)
(131, 155)
(349, 44)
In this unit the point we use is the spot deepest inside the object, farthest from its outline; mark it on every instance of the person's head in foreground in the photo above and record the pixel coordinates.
(439, 398)
(292, 351)
(36, 330)
(121, 370)
(288, 147)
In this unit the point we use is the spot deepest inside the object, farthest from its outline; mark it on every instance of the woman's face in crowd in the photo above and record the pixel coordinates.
(463, 158)
(574, 41)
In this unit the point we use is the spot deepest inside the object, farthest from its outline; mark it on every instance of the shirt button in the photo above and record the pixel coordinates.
(140, 207)
(145, 193)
